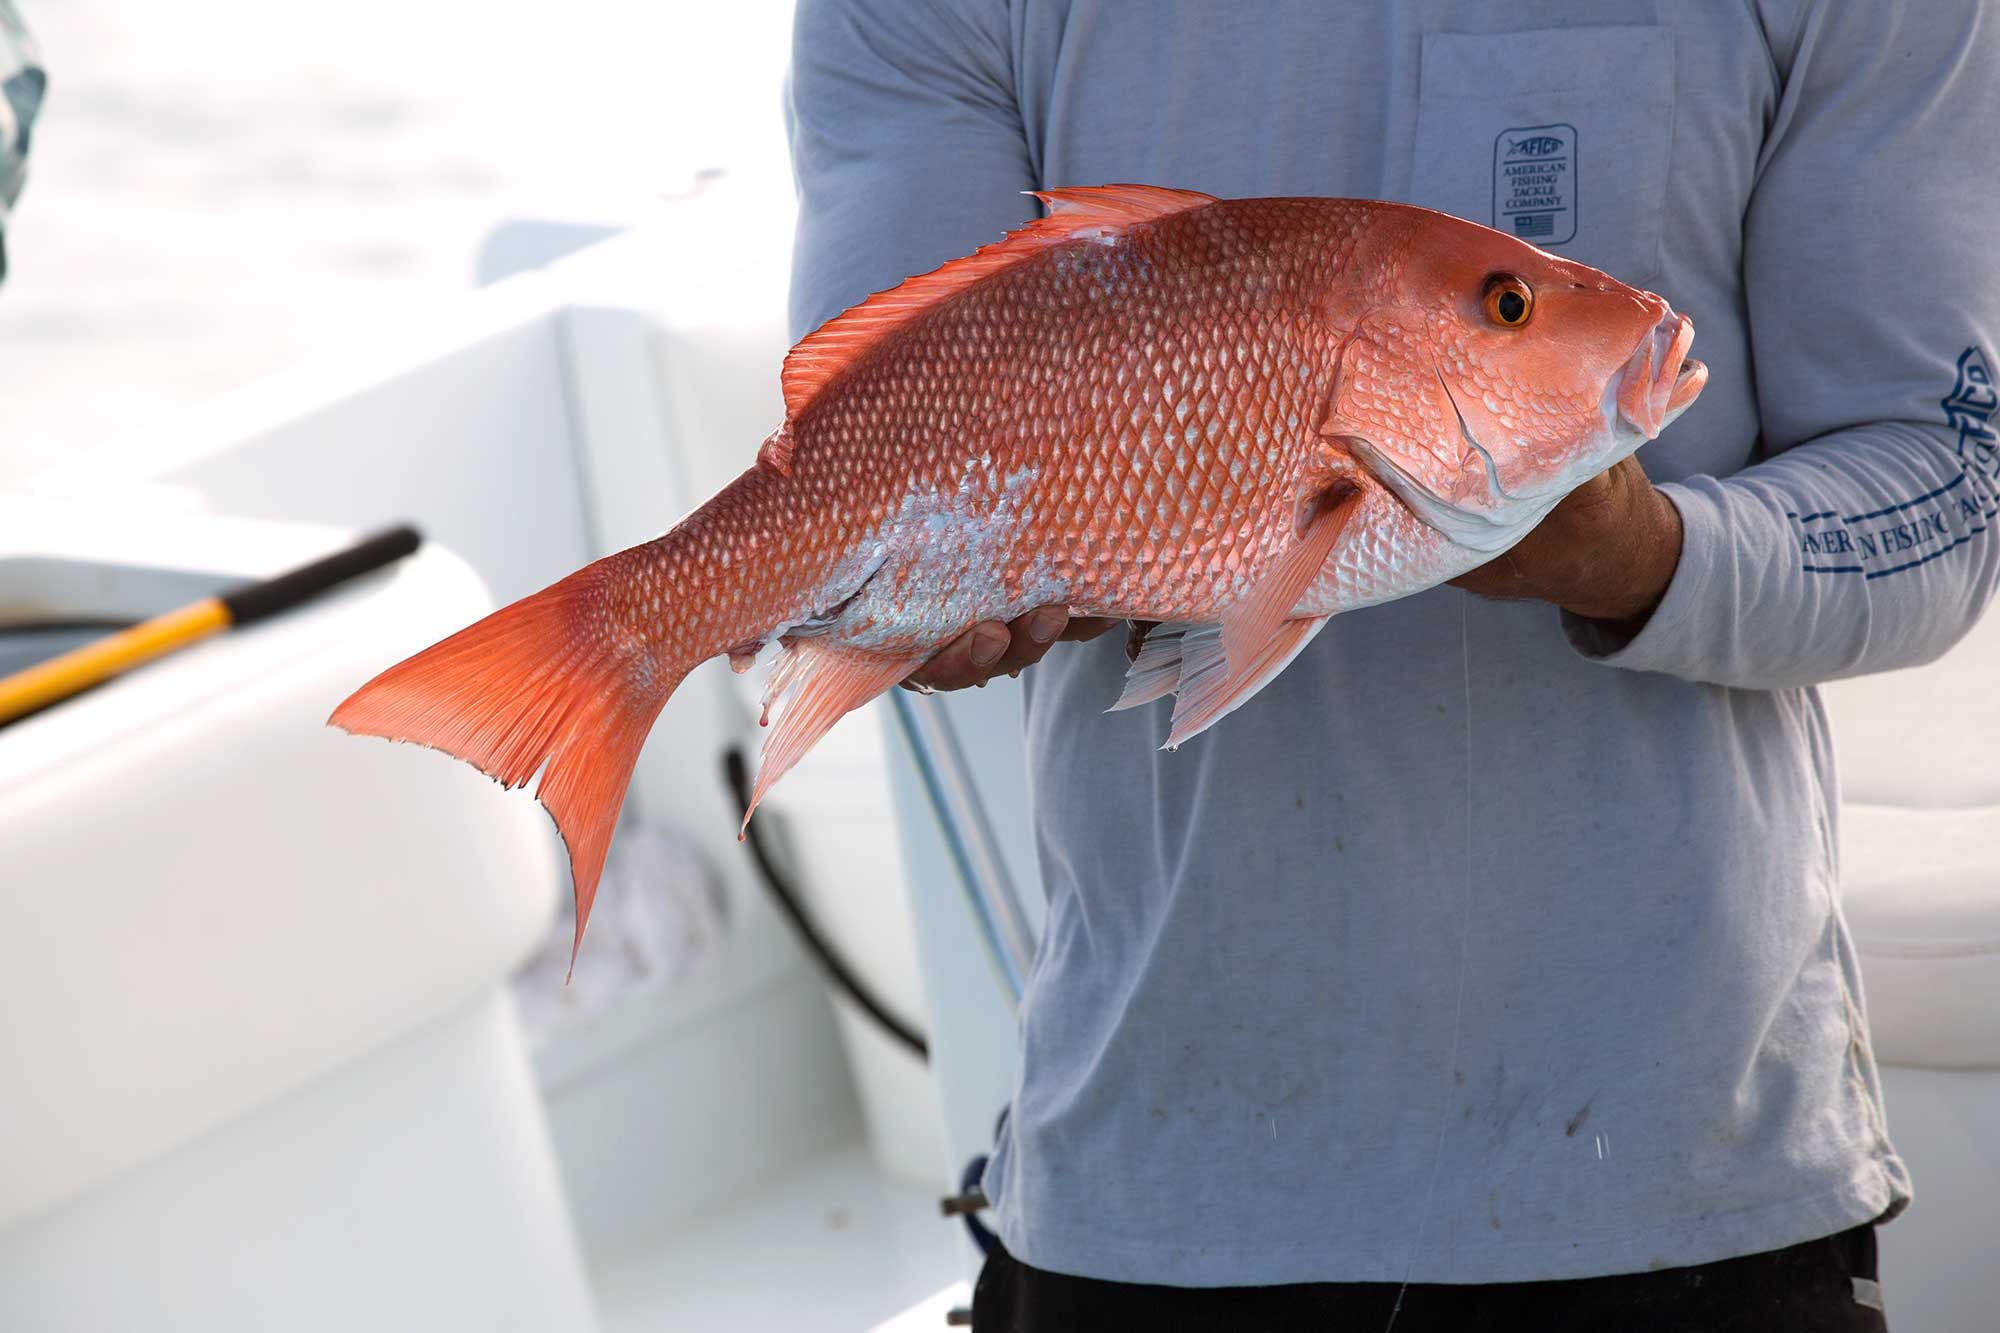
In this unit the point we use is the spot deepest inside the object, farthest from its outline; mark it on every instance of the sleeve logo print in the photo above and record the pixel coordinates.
(1970, 408)
(1917, 531)
(1534, 183)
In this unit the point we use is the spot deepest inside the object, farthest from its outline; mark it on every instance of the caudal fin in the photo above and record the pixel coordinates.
(546, 685)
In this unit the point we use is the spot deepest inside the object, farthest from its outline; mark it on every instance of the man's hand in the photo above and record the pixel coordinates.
(1607, 552)
(995, 648)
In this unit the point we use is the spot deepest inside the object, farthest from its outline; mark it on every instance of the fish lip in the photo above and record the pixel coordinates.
(1660, 380)
(1688, 383)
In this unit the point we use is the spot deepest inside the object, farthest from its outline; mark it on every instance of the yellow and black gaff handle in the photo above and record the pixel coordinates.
(80, 668)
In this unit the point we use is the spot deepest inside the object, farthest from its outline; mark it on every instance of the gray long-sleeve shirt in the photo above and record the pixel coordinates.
(1481, 946)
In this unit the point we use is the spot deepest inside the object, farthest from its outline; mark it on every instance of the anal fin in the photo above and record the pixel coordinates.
(815, 684)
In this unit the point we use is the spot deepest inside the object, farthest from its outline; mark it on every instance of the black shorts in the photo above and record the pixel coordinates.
(1822, 1286)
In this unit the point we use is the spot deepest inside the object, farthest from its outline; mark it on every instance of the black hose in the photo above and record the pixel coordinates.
(736, 772)
(75, 625)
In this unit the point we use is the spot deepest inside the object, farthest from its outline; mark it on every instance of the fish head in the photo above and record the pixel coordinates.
(1484, 379)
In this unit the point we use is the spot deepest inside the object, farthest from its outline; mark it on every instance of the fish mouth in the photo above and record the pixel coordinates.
(1660, 380)
(1657, 383)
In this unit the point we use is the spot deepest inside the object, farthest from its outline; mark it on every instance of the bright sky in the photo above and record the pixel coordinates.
(219, 189)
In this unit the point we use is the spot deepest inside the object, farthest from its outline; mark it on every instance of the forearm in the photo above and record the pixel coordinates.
(1864, 551)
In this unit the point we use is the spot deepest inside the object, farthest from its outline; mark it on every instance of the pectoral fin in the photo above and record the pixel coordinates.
(1250, 623)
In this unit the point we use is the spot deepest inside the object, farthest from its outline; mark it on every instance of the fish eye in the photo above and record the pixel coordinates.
(1508, 301)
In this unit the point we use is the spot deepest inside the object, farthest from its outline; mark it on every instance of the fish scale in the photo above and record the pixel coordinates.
(1235, 416)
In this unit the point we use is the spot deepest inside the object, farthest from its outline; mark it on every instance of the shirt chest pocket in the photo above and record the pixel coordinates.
(1559, 137)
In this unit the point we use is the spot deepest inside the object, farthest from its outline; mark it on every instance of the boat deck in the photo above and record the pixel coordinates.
(830, 1247)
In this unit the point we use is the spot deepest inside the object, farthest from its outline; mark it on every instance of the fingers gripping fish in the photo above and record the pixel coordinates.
(1240, 417)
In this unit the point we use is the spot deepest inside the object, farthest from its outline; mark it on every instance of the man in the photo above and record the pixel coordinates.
(1495, 946)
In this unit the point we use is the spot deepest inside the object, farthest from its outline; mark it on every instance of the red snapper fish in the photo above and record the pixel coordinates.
(1236, 417)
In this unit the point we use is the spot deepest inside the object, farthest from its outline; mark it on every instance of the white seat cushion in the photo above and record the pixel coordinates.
(212, 897)
(1923, 736)
(1921, 891)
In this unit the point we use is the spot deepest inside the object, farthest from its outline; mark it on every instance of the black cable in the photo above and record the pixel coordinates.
(260, 598)
(736, 772)
(85, 625)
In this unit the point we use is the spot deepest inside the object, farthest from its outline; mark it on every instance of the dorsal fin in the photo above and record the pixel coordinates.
(1112, 206)
(776, 453)
(1086, 212)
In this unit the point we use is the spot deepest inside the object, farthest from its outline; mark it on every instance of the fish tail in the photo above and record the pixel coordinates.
(555, 683)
